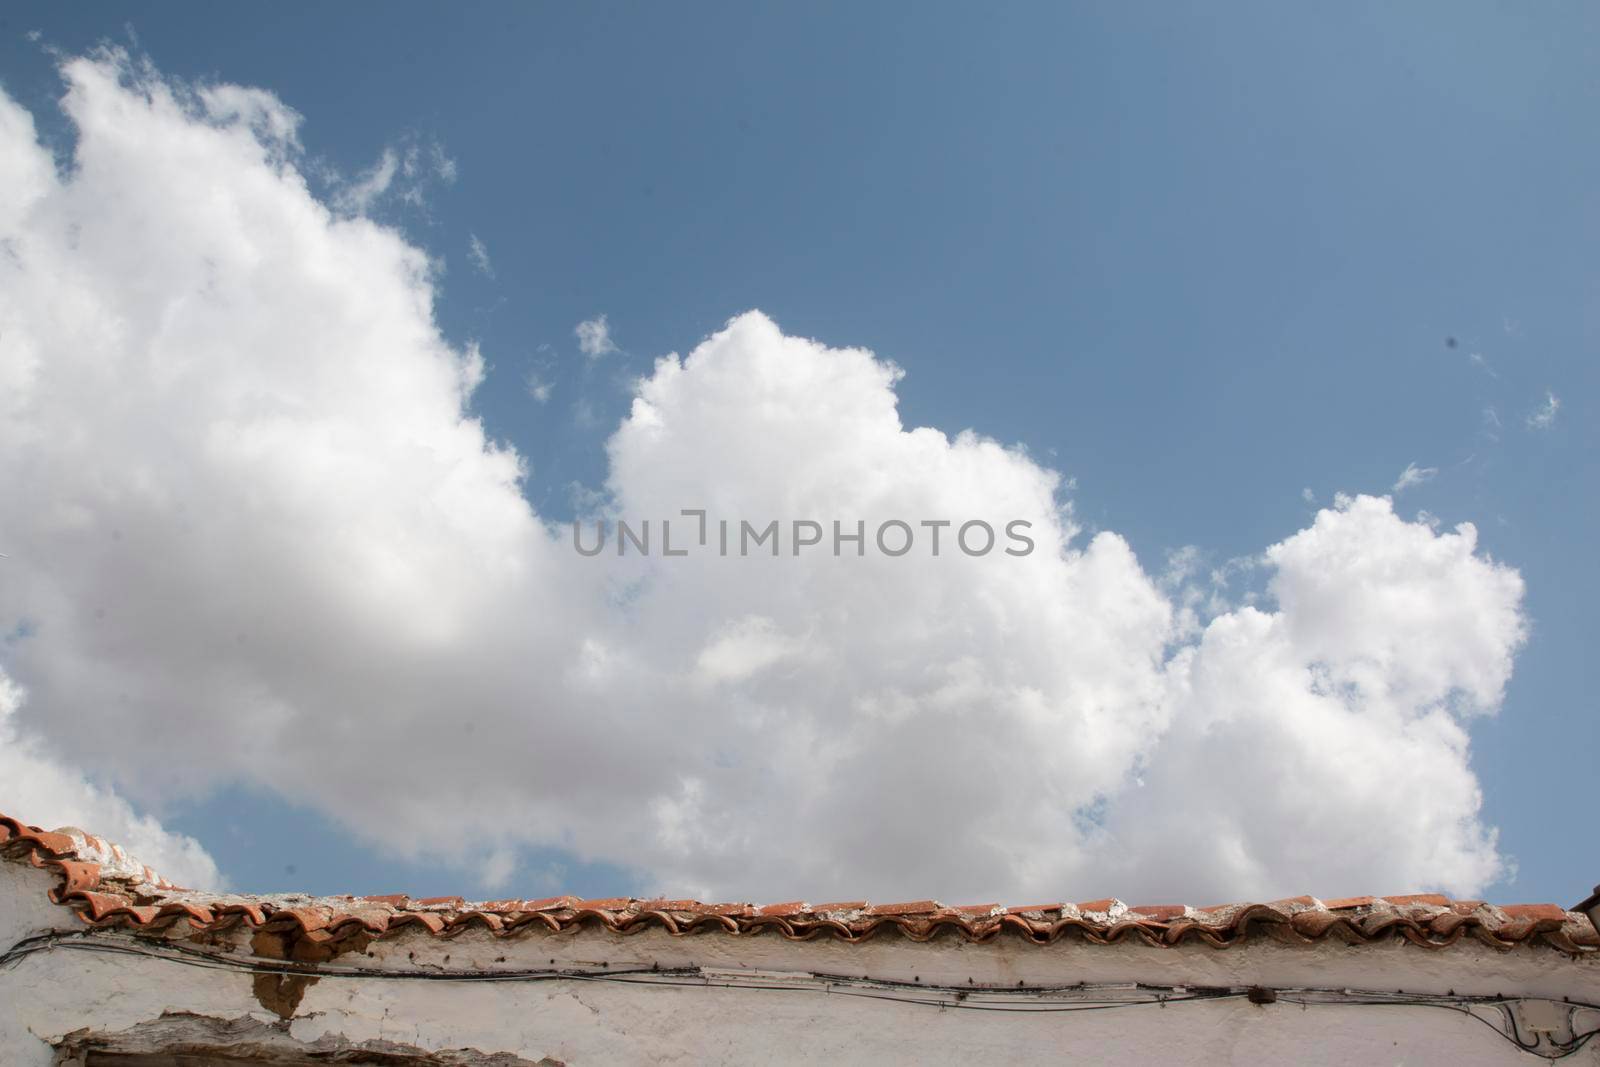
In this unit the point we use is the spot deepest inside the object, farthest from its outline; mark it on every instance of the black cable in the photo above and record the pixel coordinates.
(1420, 1003)
(187, 956)
(834, 984)
(635, 976)
(1512, 1033)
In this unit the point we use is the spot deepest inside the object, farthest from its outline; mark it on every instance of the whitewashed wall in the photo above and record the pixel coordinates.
(49, 995)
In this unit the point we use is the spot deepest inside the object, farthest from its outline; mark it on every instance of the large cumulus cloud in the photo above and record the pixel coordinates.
(33, 781)
(256, 534)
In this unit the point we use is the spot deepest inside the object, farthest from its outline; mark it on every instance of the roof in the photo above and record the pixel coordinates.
(105, 887)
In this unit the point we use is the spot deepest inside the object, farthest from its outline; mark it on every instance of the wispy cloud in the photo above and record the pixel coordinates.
(359, 197)
(1412, 476)
(540, 378)
(539, 388)
(403, 172)
(584, 415)
(478, 253)
(1545, 416)
(444, 168)
(1479, 360)
(594, 337)
(1492, 423)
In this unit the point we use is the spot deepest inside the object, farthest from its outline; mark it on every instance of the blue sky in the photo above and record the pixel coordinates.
(1198, 258)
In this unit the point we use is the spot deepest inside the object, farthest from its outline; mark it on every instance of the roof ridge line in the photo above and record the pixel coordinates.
(107, 887)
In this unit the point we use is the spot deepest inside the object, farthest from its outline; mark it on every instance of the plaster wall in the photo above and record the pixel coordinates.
(50, 995)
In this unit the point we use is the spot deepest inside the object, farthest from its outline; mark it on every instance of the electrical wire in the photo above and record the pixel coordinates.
(1017, 1000)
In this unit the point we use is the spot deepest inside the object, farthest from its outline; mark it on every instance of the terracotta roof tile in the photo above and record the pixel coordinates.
(1035, 909)
(977, 909)
(671, 905)
(1433, 899)
(741, 910)
(104, 886)
(793, 907)
(912, 908)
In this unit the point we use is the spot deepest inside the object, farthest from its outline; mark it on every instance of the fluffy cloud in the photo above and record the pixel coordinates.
(864, 702)
(266, 541)
(40, 789)
(1322, 747)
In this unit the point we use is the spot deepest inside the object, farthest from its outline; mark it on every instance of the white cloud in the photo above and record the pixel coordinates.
(1321, 747)
(444, 168)
(272, 122)
(1413, 476)
(37, 787)
(269, 544)
(498, 868)
(584, 415)
(1545, 416)
(478, 253)
(594, 337)
(539, 388)
(362, 194)
(404, 171)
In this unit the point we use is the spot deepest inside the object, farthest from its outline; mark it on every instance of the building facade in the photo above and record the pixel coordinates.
(104, 963)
